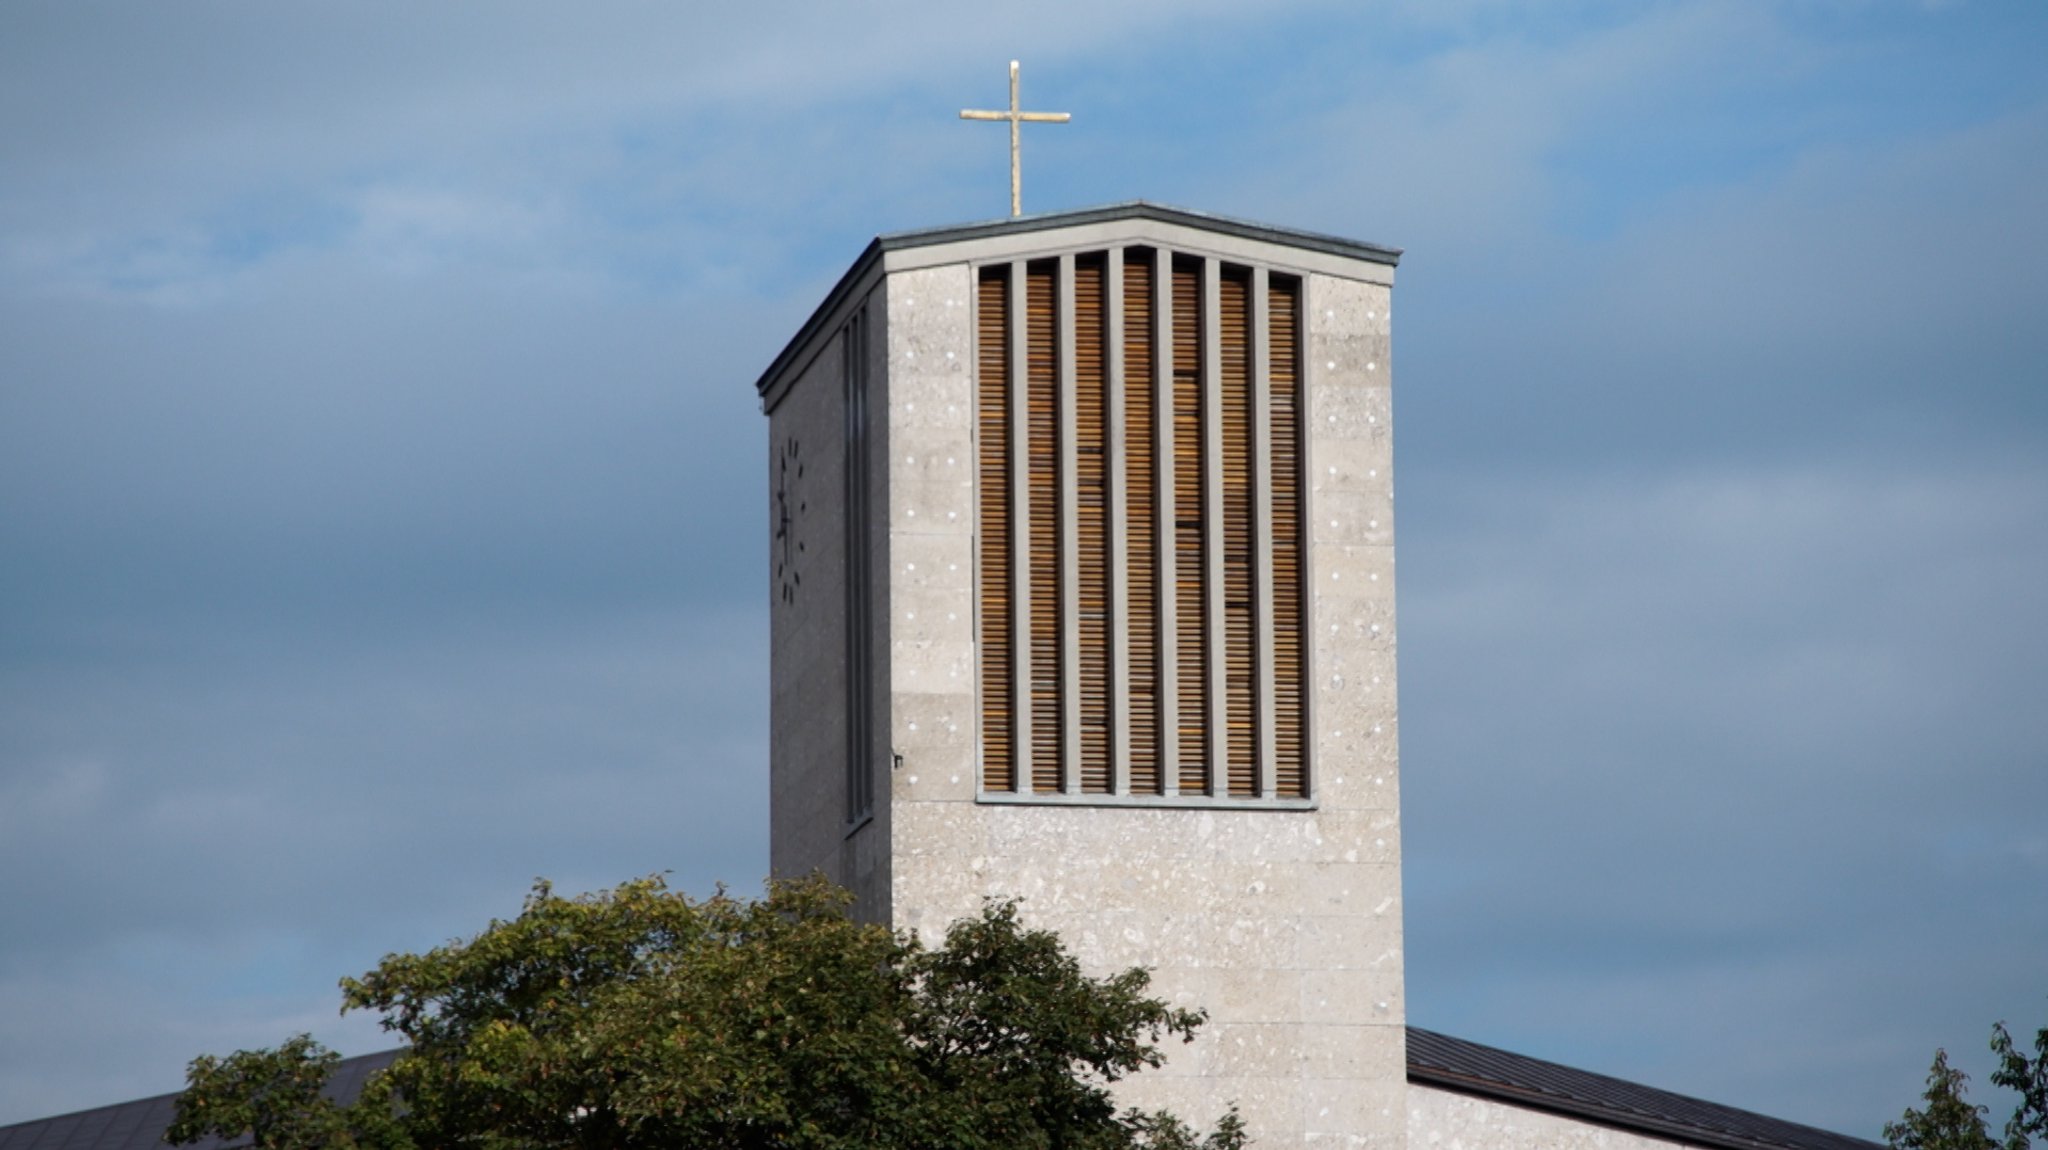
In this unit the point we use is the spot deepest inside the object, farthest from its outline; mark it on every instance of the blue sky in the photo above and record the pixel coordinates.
(382, 520)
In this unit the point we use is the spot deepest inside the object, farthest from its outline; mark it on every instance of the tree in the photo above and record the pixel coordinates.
(637, 1017)
(2029, 1077)
(1948, 1123)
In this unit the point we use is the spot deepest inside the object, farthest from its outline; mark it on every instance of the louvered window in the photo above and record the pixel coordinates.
(998, 615)
(1042, 517)
(1286, 467)
(1091, 522)
(1140, 529)
(1190, 577)
(1141, 546)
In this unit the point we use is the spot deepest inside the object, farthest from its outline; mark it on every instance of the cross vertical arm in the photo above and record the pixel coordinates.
(1015, 117)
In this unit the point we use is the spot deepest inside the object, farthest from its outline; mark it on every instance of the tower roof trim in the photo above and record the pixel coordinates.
(1131, 221)
(1139, 210)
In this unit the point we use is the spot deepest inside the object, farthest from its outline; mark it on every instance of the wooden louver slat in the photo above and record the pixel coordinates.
(998, 735)
(1239, 638)
(1190, 572)
(1041, 323)
(1091, 516)
(1142, 522)
(1290, 666)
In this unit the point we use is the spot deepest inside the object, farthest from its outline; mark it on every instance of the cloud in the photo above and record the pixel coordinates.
(1742, 737)
(210, 840)
(378, 480)
(82, 1017)
(128, 135)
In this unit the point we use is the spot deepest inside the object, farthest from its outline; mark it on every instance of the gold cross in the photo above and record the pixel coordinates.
(1015, 118)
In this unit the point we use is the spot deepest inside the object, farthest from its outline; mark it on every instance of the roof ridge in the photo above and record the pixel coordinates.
(1470, 1067)
(1433, 1059)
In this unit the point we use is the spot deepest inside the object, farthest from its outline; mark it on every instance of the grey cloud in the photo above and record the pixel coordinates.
(1729, 737)
(334, 784)
(379, 493)
(207, 842)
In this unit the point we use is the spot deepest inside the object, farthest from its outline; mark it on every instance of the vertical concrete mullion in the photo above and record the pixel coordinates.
(1020, 525)
(1213, 625)
(1069, 536)
(1310, 510)
(1163, 533)
(1262, 523)
(1119, 623)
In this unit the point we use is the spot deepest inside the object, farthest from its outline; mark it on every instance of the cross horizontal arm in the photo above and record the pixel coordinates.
(1028, 117)
(1016, 118)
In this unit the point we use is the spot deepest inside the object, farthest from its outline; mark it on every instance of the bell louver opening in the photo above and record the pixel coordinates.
(1141, 539)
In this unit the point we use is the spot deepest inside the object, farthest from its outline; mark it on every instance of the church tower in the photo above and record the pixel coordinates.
(1083, 593)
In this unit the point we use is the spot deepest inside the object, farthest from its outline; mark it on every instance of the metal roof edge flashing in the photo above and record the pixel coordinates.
(869, 257)
(879, 247)
(1145, 210)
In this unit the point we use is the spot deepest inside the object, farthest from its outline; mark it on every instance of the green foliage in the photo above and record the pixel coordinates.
(2029, 1077)
(275, 1095)
(1948, 1123)
(639, 1018)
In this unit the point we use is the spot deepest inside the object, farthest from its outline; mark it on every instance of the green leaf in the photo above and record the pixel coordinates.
(640, 1017)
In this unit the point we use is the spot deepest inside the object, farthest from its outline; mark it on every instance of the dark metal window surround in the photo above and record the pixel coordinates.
(860, 778)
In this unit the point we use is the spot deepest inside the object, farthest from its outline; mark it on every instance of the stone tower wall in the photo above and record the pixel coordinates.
(1284, 925)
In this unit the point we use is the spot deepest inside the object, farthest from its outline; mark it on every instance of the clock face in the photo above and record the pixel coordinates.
(791, 504)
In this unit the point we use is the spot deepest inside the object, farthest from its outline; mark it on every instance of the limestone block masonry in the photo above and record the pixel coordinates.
(1284, 924)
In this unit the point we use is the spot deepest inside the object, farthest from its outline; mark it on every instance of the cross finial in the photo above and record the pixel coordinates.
(1015, 118)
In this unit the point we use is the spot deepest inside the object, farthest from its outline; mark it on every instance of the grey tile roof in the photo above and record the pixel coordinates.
(1433, 1059)
(1455, 1064)
(140, 1125)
